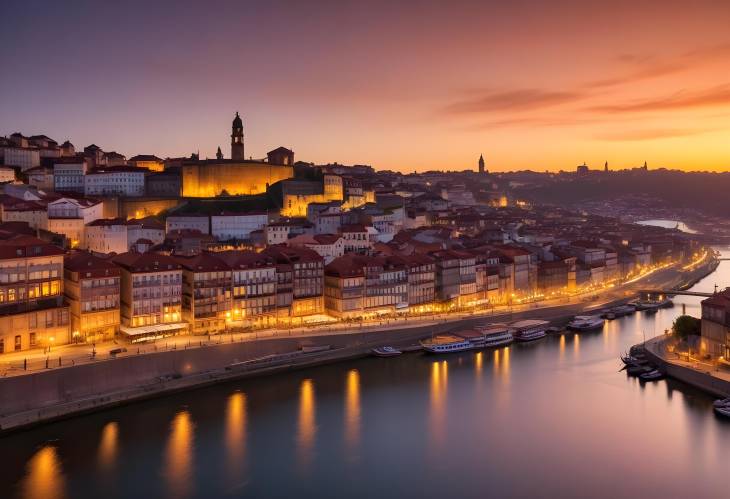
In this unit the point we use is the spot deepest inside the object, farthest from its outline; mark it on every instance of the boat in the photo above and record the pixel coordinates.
(529, 330)
(586, 323)
(723, 411)
(554, 330)
(631, 360)
(623, 310)
(721, 403)
(386, 352)
(638, 370)
(609, 315)
(651, 375)
(496, 335)
(651, 310)
(446, 343)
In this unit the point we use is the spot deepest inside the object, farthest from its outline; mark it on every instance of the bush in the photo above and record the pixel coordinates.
(686, 325)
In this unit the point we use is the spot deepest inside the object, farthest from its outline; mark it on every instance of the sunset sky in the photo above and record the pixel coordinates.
(399, 85)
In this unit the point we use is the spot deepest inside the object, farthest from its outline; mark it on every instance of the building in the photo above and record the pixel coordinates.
(355, 238)
(150, 295)
(299, 281)
(69, 174)
(115, 181)
(228, 226)
(91, 287)
(206, 293)
(23, 157)
(163, 184)
(253, 277)
(201, 223)
(280, 156)
(7, 174)
(69, 216)
(32, 310)
(232, 177)
(40, 177)
(362, 286)
(107, 235)
(715, 329)
(148, 161)
(328, 246)
(481, 164)
(421, 281)
(148, 228)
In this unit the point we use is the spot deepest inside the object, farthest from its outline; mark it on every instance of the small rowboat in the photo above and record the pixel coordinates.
(386, 352)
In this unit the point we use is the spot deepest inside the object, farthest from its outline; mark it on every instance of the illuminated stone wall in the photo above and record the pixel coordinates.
(141, 207)
(211, 178)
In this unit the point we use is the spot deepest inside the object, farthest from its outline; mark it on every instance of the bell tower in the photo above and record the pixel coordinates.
(237, 139)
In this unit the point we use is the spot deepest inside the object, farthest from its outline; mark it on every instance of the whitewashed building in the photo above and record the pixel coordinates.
(115, 181)
(226, 226)
(176, 223)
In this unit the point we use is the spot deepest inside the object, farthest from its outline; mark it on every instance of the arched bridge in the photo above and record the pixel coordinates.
(671, 292)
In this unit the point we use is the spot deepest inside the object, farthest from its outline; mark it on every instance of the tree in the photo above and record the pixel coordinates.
(686, 325)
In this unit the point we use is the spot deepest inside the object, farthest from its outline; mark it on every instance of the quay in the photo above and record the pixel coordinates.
(46, 395)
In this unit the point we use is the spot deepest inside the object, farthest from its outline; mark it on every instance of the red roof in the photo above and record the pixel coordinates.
(203, 262)
(82, 261)
(25, 246)
(146, 262)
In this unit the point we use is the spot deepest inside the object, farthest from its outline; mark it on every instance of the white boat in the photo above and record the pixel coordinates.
(385, 352)
(586, 323)
(496, 335)
(651, 375)
(721, 403)
(529, 330)
(446, 343)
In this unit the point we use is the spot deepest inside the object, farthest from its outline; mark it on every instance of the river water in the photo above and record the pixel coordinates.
(668, 224)
(550, 419)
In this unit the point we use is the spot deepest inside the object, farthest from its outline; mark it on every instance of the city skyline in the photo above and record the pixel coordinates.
(398, 87)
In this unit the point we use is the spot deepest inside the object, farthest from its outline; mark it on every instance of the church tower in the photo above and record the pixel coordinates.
(481, 163)
(237, 139)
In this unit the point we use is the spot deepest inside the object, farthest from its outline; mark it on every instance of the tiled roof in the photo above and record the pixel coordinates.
(146, 262)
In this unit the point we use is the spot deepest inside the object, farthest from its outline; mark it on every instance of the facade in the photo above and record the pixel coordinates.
(7, 174)
(253, 278)
(107, 235)
(148, 161)
(150, 295)
(23, 157)
(355, 238)
(201, 223)
(91, 287)
(238, 226)
(210, 178)
(421, 281)
(148, 228)
(40, 177)
(300, 281)
(206, 293)
(32, 310)
(715, 332)
(115, 181)
(328, 246)
(69, 176)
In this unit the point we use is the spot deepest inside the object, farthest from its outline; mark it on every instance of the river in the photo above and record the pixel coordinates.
(668, 224)
(550, 419)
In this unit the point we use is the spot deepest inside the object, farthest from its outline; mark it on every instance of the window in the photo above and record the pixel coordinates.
(32, 339)
(17, 343)
(2, 345)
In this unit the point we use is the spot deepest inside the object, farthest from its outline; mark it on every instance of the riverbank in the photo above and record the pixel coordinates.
(705, 377)
(66, 391)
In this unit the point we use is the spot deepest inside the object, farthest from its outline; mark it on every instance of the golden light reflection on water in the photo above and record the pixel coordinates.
(562, 346)
(352, 410)
(439, 384)
(307, 426)
(236, 432)
(108, 445)
(44, 476)
(478, 361)
(576, 345)
(179, 455)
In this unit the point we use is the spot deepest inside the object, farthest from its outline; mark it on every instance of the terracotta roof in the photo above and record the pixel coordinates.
(145, 157)
(25, 246)
(246, 259)
(106, 222)
(82, 261)
(203, 262)
(720, 299)
(146, 262)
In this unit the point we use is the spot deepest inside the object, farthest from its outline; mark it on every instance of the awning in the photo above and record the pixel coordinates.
(153, 329)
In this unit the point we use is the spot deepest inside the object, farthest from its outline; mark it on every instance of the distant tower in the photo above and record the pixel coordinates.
(237, 139)
(645, 166)
(605, 167)
(481, 163)
(219, 154)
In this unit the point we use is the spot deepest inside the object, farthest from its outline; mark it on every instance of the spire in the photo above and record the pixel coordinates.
(481, 163)
(645, 166)
(605, 167)
(219, 154)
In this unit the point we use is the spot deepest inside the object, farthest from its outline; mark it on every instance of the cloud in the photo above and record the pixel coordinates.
(654, 70)
(716, 96)
(511, 100)
(650, 134)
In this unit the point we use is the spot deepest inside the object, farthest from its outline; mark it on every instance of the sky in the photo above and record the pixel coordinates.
(407, 86)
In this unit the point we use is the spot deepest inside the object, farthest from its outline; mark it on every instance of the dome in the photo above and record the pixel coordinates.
(237, 122)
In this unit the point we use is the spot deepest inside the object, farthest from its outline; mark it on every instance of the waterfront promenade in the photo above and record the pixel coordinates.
(83, 383)
(26, 362)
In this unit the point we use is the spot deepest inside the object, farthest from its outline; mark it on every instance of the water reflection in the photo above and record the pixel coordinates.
(562, 347)
(44, 476)
(108, 446)
(179, 455)
(352, 411)
(478, 360)
(439, 385)
(576, 346)
(235, 433)
(307, 426)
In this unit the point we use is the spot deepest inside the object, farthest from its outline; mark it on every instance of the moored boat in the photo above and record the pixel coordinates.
(496, 335)
(386, 352)
(723, 411)
(721, 403)
(529, 330)
(651, 375)
(586, 323)
(446, 343)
